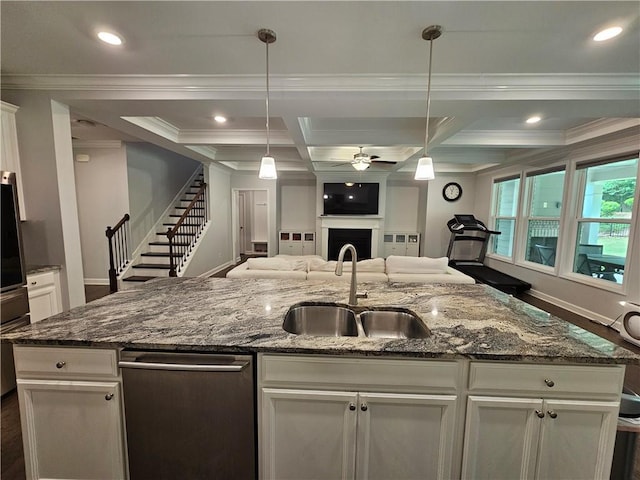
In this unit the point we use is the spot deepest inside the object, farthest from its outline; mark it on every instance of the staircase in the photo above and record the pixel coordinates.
(155, 262)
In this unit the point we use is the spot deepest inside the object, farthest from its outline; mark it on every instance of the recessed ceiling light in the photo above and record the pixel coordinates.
(110, 38)
(607, 34)
(220, 119)
(534, 119)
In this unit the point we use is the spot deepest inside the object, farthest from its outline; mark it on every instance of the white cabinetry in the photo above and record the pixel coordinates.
(338, 426)
(9, 153)
(71, 412)
(297, 242)
(45, 297)
(405, 244)
(550, 422)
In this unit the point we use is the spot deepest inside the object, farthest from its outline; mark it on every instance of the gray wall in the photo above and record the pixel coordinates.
(155, 178)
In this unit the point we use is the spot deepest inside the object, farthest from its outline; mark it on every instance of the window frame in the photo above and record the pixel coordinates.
(494, 217)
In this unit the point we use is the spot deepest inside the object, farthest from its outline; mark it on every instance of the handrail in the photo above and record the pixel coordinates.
(182, 236)
(118, 250)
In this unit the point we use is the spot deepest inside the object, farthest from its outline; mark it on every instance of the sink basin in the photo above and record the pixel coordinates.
(393, 324)
(321, 319)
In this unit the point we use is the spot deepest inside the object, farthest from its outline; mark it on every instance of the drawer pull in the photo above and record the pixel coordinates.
(364, 407)
(61, 364)
(352, 406)
(540, 414)
(34, 283)
(549, 383)
(108, 396)
(552, 414)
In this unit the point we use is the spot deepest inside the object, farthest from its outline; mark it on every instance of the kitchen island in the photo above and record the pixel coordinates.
(499, 384)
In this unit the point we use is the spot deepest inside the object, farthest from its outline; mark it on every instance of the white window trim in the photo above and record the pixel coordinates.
(493, 218)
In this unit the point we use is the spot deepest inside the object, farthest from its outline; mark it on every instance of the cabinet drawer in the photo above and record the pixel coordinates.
(360, 373)
(566, 380)
(60, 362)
(40, 280)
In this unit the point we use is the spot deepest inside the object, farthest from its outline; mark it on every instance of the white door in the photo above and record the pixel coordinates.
(501, 437)
(73, 430)
(308, 434)
(402, 436)
(577, 439)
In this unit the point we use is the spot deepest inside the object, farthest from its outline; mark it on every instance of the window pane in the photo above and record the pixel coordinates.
(507, 198)
(546, 194)
(542, 239)
(503, 244)
(601, 250)
(609, 190)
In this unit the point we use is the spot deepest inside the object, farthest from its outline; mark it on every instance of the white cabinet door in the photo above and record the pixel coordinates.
(403, 436)
(501, 437)
(308, 434)
(44, 295)
(72, 429)
(577, 439)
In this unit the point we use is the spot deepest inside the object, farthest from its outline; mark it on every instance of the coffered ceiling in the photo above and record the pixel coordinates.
(343, 74)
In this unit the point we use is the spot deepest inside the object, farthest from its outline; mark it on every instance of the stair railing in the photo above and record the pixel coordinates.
(184, 234)
(118, 250)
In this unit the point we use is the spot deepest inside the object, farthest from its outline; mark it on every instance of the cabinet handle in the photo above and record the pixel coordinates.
(549, 383)
(108, 396)
(34, 283)
(352, 406)
(540, 414)
(552, 414)
(364, 407)
(61, 364)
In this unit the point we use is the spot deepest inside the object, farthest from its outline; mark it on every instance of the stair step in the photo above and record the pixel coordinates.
(193, 208)
(138, 278)
(159, 254)
(164, 234)
(166, 244)
(159, 266)
(190, 216)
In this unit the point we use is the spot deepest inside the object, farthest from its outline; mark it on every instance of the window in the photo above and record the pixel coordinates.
(542, 215)
(505, 208)
(604, 218)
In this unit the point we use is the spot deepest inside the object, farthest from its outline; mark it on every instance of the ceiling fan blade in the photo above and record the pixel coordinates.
(373, 157)
(390, 162)
(339, 164)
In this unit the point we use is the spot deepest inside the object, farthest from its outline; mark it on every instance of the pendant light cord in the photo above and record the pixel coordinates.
(267, 43)
(426, 133)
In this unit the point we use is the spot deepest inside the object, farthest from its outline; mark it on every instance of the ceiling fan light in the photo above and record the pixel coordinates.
(360, 165)
(424, 171)
(268, 168)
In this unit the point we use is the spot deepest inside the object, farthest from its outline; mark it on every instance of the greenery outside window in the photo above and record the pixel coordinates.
(505, 208)
(605, 218)
(544, 192)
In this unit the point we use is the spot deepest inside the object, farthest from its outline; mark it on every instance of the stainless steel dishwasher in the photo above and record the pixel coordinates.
(189, 415)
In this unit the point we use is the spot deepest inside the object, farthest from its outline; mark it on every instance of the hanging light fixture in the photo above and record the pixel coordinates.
(424, 171)
(268, 163)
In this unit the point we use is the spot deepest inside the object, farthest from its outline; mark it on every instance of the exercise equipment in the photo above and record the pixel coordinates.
(467, 249)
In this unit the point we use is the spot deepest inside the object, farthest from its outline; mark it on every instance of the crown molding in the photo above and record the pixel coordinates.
(517, 138)
(598, 128)
(8, 107)
(96, 143)
(156, 125)
(234, 137)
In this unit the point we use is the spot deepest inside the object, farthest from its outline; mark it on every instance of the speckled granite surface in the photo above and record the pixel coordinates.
(219, 314)
(35, 269)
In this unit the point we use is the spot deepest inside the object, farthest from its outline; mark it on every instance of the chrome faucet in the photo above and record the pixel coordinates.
(353, 291)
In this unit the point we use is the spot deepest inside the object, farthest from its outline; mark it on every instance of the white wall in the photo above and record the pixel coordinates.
(155, 176)
(103, 199)
(298, 205)
(215, 250)
(401, 213)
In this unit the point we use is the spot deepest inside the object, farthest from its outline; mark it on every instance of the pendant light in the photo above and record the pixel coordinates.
(268, 163)
(424, 171)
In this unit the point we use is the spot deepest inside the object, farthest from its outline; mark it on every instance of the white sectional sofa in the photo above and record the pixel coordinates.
(313, 267)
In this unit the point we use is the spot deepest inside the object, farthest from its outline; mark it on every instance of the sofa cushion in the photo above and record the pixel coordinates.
(371, 265)
(363, 277)
(416, 265)
(241, 271)
(450, 276)
(276, 264)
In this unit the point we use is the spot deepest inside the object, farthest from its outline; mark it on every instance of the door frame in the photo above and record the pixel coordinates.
(235, 215)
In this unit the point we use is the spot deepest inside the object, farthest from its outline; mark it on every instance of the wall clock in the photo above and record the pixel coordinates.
(452, 191)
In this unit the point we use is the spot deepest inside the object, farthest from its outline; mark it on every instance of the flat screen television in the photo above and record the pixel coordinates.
(351, 199)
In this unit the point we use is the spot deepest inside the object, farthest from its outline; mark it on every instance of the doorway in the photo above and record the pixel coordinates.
(250, 225)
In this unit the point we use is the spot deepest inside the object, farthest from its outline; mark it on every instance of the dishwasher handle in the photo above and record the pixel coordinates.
(187, 363)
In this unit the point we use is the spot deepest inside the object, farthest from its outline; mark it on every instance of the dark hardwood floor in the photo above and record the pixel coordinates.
(11, 455)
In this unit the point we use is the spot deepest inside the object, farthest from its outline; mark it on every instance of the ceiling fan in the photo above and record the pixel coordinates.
(361, 161)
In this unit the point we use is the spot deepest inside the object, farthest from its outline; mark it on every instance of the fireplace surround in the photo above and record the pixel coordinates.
(347, 222)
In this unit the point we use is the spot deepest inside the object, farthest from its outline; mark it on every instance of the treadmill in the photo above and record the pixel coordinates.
(467, 249)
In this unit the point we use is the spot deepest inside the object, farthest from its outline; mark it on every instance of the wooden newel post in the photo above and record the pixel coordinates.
(113, 278)
(172, 266)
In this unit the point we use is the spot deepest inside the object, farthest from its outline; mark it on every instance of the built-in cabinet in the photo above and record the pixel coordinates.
(401, 243)
(45, 296)
(352, 410)
(297, 242)
(540, 421)
(9, 152)
(71, 412)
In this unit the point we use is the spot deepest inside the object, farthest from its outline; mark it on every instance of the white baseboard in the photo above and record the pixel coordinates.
(217, 269)
(594, 317)
(96, 281)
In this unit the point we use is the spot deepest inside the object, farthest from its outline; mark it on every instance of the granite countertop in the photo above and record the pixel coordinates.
(233, 315)
(35, 269)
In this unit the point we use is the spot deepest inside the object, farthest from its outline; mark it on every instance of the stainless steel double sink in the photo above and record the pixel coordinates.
(337, 320)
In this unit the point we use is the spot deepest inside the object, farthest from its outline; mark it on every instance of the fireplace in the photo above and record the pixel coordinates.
(358, 237)
(373, 224)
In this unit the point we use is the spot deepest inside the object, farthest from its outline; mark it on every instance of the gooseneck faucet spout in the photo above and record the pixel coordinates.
(353, 291)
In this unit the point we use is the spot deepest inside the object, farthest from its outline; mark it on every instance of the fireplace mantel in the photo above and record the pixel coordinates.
(373, 222)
